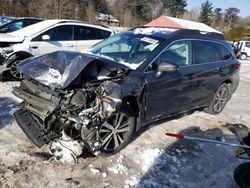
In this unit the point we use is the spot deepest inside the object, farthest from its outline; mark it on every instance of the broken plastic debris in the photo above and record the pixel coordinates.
(66, 150)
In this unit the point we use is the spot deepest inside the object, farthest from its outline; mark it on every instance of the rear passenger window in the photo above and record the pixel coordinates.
(205, 52)
(226, 54)
(102, 34)
(85, 33)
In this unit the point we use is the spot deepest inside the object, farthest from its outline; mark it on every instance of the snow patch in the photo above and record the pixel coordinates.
(132, 181)
(95, 171)
(148, 157)
(104, 174)
(119, 168)
(150, 30)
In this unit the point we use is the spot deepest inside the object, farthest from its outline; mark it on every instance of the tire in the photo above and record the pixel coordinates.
(219, 100)
(14, 72)
(242, 175)
(243, 56)
(115, 137)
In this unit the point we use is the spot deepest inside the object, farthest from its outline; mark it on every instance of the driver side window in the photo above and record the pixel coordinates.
(178, 53)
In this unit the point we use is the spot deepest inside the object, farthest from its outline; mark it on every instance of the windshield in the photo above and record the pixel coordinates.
(34, 28)
(128, 48)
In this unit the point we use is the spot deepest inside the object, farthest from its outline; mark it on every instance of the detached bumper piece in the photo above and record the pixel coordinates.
(31, 128)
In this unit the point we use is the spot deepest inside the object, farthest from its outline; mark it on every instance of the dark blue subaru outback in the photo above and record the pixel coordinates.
(100, 98)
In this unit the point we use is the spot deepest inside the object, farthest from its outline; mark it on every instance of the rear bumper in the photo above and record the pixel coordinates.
(31, 127)
(236, 81)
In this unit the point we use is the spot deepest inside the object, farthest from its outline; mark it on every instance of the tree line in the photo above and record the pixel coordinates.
(129, 13)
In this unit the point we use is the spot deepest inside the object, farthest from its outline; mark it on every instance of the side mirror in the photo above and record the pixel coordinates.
(46, 37)
(167, 67)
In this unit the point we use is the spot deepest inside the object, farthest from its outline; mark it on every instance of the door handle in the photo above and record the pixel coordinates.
(34, 47)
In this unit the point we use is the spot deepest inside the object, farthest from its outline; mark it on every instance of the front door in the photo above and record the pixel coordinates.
(171, 91)
(60, 38)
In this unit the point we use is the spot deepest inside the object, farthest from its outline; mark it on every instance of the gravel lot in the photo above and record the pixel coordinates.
(151, 159)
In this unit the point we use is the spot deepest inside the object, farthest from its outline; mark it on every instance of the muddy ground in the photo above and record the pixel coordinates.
(150, 160)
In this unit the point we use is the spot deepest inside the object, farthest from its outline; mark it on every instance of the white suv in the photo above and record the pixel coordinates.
(242, 49)
(44, 37)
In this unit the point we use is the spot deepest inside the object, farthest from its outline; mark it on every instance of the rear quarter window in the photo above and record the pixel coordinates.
(205, 52)
(224, 51)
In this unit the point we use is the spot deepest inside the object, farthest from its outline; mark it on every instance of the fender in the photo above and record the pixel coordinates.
(16, 55)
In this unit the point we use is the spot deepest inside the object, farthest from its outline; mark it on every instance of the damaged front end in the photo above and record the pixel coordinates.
(67, 97)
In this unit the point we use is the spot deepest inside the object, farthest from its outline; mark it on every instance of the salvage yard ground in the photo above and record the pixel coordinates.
(150, 160)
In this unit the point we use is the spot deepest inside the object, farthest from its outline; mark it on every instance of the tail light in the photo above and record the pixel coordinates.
(238, 64)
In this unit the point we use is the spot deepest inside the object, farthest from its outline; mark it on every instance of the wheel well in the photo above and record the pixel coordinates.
(19, 55)
(228, 82)
(132, 102)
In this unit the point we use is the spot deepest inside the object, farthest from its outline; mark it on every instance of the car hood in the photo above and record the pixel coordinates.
(59, 69)
(5, 37)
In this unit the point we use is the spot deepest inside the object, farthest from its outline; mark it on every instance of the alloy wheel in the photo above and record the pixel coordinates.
(114, 131)
(15, 71)
(221, 99)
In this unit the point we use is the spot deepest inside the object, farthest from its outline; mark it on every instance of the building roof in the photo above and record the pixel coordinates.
(170, 22)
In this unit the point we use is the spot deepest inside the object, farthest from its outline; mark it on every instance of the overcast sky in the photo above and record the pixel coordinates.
(243, 5)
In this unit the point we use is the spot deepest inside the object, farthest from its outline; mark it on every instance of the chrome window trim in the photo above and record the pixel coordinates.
(187, 39)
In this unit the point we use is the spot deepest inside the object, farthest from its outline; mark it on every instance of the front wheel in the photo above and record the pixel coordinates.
(219, 100)
(242, 175)
(14, 71)
(116, 131)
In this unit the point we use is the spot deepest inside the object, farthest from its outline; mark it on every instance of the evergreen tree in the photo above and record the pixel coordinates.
(176, 8)
(217, 17)
(231, 16)
(206, 13)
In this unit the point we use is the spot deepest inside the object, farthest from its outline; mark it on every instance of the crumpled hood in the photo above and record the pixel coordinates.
(5, 37)
(59, 69)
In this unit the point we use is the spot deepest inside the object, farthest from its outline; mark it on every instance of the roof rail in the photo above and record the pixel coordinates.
(198, 32)
(84, 22)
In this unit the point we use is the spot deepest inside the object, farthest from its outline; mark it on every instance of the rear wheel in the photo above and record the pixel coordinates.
(243, 56)
(242, 175)
(117, 130)
(220, 99)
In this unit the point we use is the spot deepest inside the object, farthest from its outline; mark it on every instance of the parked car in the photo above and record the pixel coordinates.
(5, 19)
(44, 37)
(242, 49)
(17, 24)
(99, 99)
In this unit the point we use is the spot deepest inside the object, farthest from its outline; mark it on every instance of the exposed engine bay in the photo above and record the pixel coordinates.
(68, 110)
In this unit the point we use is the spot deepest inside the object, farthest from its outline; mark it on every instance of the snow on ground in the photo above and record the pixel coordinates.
(150, 160)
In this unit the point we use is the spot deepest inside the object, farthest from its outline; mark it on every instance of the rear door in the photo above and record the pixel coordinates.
(172, 91)
(60, 38)
(210, 70)
(86, 36)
